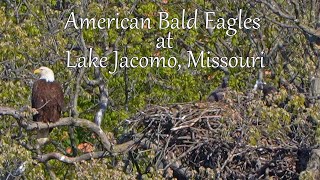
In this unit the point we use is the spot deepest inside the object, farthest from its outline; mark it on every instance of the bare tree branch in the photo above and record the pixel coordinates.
(10, 111)
(70, 160)
(69, 121)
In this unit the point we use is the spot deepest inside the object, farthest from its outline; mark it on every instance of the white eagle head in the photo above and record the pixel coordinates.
(45, 73)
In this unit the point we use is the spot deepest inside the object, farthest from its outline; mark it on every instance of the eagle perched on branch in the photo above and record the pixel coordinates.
(47, 99)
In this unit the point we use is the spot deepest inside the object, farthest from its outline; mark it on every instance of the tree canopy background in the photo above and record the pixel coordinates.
(32, 34)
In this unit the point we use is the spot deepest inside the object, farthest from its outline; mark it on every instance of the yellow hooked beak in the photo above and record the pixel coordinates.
(37, 71)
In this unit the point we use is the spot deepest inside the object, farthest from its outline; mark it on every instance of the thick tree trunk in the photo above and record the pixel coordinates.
(315, 88)
(313, 167)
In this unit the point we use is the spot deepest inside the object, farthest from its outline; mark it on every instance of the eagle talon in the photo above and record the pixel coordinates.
(41, 142)
(33, 111)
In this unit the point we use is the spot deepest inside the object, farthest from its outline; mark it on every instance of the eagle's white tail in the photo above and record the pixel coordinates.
(42, 136)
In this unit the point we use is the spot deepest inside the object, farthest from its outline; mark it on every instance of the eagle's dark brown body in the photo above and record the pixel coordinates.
(47, 99)
(220, 92)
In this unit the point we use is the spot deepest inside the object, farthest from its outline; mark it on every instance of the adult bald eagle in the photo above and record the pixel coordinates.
(47, 99)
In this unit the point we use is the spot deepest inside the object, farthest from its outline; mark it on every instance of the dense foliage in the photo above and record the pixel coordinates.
(32, 34)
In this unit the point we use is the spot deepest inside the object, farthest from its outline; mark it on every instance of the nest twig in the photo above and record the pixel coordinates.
(211, 140)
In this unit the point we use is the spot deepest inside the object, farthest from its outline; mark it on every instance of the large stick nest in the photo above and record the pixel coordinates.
(217, 140)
